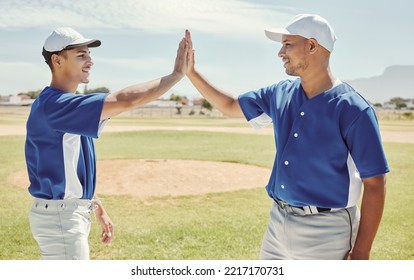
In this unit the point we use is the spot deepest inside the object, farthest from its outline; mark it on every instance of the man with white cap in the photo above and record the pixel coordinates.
(59, 149)
(328, 149)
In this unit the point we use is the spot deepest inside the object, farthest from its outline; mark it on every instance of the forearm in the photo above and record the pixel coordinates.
(143, 93)
(372, 208)
(138, 94)
(221, 100)
(103, 220)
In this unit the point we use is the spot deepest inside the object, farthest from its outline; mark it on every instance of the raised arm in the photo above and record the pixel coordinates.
(140, 94)
(221, 100)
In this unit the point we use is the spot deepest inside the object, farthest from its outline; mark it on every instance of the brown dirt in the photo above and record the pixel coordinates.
(154, 178)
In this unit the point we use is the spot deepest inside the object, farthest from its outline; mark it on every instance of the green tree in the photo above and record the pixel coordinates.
(95, 90)
(396, 100)
(205, 105)
(401, 105)
(177, 98)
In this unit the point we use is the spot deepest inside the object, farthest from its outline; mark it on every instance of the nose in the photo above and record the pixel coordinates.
(89, 62)
(281, 52)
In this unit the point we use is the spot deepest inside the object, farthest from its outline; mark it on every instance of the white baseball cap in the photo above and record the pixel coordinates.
(308, 26)
(66, 38)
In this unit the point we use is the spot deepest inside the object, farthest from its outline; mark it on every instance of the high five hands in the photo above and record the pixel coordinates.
(184, 62)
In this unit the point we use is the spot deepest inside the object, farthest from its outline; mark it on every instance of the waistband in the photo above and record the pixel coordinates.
(303, 210)
(62, 204)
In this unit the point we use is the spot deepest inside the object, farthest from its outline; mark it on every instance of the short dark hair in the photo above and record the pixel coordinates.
(48, 56)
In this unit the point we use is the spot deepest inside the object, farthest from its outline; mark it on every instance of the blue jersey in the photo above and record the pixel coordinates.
(324, 145)
(59, 149)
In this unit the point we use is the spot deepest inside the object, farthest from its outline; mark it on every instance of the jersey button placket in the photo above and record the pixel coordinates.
(296, 134)
(285, 163)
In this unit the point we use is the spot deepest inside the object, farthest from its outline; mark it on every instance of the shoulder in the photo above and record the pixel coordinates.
(352, 108)
(67, 98)
(346, 97)
(281, 88)
(56, 102)
(286, 86)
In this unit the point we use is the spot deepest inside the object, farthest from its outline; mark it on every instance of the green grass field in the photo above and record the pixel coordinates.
(216, 226)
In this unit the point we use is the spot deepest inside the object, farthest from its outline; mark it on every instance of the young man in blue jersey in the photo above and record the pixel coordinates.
(59, 149)
(329, 149)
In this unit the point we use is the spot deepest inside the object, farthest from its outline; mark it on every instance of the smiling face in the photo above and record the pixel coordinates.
(294, 55)
(70, 68)
(76, 64)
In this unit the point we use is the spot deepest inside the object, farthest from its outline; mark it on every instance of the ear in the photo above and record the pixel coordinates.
(313, 45)
(56, 60)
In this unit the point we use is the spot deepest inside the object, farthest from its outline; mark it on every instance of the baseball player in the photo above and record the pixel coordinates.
(59, 149)
(329, 149)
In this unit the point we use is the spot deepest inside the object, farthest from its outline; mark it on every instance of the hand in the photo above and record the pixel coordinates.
(180, 66)
(106, 224)
(190, 53)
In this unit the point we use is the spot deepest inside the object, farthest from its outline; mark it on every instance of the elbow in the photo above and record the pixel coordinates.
(125, 100)
(232, 114)
(113, 107)
(233, 109)
(376, 184)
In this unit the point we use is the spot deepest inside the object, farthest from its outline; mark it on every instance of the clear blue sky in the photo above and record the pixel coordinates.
(140, 39)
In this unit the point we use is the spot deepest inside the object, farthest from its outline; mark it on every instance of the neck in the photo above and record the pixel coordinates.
(317, 82)
(64, 85)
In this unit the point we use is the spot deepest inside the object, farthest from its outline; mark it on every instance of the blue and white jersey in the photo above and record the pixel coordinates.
(324, 145)
(59, 149)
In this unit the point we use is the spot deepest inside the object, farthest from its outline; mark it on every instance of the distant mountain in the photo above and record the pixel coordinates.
(396, 81)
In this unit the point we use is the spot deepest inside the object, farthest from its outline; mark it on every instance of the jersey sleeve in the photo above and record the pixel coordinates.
(256, 107)
(365, 145)
(75, 114)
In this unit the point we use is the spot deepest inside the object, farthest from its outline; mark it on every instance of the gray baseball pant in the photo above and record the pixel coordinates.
(61, 228)
(322, 236)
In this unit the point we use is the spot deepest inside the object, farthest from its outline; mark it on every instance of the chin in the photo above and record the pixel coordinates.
(291, 73)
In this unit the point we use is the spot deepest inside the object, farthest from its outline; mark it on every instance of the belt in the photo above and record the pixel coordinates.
(303, 210)
(61, 204)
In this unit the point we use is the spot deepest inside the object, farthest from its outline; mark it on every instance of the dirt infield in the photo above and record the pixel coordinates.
(155, 178)
(146, 178)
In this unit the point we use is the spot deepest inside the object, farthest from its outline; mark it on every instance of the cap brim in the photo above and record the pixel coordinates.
(91, 43)
(275, 34)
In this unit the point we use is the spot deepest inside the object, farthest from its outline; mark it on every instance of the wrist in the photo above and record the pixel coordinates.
(177, 75)
(96, 204)
(191, 73)
(356, 254)
(360, 251)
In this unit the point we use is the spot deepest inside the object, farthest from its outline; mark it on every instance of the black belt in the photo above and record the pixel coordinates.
(302, 210)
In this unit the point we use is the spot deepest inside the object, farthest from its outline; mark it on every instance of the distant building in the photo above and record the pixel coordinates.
(389, 106)
(16, 100)
(165, 103)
